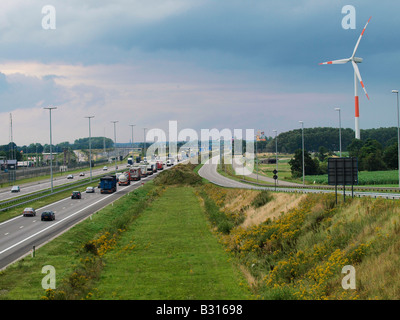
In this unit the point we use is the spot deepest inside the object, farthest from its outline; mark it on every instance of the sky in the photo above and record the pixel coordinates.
(235, 64)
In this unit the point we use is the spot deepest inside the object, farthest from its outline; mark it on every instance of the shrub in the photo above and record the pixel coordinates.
(181, 174)
(262, 199)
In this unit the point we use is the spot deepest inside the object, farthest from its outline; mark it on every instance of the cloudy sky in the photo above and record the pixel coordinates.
(236, 64)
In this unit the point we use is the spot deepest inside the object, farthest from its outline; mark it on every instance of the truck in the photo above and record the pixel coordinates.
(108, 184)
(143, 170)
(134, 173)
(124, 179)
(130, 160)
(160, 165)
(154, 165)
(149, 169)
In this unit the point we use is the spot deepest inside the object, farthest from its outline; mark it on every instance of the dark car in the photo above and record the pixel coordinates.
(29, 212)
(76, 195)
(48, 215)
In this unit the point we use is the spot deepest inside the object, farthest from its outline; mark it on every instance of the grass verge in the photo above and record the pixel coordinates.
(169, 253)
(76, 255)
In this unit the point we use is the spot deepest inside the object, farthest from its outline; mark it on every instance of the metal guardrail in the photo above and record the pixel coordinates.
(327, 187)
(40, 195)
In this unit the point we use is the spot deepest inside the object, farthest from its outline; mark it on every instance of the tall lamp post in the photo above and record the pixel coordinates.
(144, 142)
(51, 151)
(115, 146)
(398, 133)
(302, 142)
(132, 125)
(90, 147)
(340, 133)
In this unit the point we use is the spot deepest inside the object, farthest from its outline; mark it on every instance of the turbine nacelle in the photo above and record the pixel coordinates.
(357, 60)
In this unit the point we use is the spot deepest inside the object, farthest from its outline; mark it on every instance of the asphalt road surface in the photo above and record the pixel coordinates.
(6, 194)
(209, 172)
(20, 234)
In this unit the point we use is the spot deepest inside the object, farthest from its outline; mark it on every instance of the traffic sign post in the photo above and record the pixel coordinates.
(343, 171)
(275, 176)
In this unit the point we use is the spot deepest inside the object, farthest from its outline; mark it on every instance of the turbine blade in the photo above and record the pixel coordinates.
(359, 38)
(341, 61)
(357, 71)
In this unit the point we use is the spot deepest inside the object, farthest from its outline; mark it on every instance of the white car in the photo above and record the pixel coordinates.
(105, 168)
(90, 190)
(15, 189)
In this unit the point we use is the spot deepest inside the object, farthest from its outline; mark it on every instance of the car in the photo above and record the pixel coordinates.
(82, 174)
(76, 195)
(90, 190)
(48, 215)
(105, 168)
(70, 176)
(15, 189)
(29, 212)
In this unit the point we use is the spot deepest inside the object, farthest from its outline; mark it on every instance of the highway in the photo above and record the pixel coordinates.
(6, 194)
(20, 234)
(209, 172)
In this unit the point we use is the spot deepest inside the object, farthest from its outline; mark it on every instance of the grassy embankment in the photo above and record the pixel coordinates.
(294, 246)
(152, 244)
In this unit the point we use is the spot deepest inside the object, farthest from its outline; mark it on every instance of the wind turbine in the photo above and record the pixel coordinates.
(357, 77)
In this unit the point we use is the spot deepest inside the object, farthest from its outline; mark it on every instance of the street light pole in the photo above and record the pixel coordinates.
(115, 146)
(144, 142)
(340, 133)
(132, 125)
(51, 151)
(302, 139)
(90, 147)
(398, 133)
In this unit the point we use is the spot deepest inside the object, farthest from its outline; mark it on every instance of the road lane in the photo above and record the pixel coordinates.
(6, 194)
(20, 234)
(209, 172)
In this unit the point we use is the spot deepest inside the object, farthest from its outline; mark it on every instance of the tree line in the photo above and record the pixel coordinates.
(12, 151)
(327, 137)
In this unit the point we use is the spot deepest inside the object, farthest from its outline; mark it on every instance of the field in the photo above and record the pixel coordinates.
(388, 178)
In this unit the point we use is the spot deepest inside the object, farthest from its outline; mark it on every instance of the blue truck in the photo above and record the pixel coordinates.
(108, 184)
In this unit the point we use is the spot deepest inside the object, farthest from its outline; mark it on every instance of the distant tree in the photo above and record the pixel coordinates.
(355, 147)
(322, 151)
(311, 166)
(370, 156)
(391, 156)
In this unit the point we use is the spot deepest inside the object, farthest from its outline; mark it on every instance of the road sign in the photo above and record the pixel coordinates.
(342, 171)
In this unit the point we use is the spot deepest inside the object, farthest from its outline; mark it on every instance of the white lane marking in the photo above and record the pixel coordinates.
(56, 223)
(21, 216)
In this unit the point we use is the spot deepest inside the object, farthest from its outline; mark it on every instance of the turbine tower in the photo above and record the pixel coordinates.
(357, 77)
